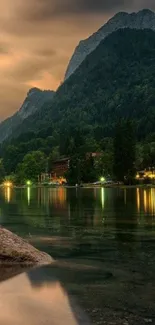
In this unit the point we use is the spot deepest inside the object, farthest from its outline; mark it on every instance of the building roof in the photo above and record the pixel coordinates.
(60, 160)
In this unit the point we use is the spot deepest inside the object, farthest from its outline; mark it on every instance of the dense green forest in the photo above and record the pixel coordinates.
(115, 81)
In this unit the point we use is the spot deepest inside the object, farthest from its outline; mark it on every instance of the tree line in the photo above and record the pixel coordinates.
(120, 157)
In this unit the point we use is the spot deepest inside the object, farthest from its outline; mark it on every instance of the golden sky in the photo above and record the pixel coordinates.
(38, 38)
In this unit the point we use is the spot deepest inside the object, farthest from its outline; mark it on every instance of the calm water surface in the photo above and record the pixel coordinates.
(104, 241)
(79, 212)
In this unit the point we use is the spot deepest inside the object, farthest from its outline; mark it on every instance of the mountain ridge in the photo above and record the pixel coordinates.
(34, 101)
(115, 80)
(36, 98)
(143, 19)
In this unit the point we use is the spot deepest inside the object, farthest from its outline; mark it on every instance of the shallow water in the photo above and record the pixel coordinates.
(33, 299)
(104, 241)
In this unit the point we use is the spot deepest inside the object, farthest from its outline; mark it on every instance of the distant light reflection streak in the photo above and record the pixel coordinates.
(8, 194)
(102, 197)
(145, 201)
(138, 200)
(28, 195)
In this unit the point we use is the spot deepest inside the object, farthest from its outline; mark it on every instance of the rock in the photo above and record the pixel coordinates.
(35, 99)
(144, 19)
(34, 102)
(15, 250)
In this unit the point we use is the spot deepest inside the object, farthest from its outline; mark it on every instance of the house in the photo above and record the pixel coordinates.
(93, 155)
(148, 173)
(59, 169)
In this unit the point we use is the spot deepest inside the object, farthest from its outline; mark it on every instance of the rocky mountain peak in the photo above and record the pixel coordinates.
(145, 11)
(144, 19)
(119, 15)
(33, 90)
(34, 100)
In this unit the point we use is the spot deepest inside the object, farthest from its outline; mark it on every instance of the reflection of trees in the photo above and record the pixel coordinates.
(74, 213)
(86, 209)
(125, 216)
(22, 214)
(88, 217)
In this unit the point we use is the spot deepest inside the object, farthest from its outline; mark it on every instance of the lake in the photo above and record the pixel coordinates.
(103, 240)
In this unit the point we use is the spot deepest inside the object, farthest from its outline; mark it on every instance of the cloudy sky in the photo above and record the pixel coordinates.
(39, 36)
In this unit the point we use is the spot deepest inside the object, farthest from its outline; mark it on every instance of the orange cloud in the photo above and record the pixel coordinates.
(38, 38)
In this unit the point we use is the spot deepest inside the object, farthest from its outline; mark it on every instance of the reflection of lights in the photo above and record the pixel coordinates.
(145, 201)
(138, 200)
(28, 195)
(8, 194)
(57, 196)
(148, 199)
(102, 197)
(152, 199)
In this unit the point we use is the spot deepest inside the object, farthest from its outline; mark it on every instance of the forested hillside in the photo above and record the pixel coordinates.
(115, 81)
(136, 20)
(34, 100)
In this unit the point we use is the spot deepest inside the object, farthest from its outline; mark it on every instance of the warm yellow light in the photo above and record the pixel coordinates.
(152, 176)
(8, 194)
(138, 200)
(137, 176)
(7, 184)
(145, 201)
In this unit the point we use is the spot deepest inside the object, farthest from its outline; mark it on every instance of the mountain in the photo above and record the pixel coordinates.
(115, 81)
(35, 99)
(141, 20)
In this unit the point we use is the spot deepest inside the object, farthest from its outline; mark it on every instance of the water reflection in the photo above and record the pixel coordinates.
(28, 195)
(146, 200)
(111, 228)
(102, 197)
(7, 193)
(78, 213)
(24, 302)
(97, 201)
(138, 200)
(57, 196)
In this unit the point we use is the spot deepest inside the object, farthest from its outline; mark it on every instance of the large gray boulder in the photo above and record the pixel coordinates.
(15, 250)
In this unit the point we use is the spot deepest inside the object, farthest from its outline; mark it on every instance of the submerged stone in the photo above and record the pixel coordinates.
(15, 250)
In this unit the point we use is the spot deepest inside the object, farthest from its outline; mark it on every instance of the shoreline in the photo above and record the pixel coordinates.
(88, 186)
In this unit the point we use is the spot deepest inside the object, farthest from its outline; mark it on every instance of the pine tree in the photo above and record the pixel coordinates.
(124, 151)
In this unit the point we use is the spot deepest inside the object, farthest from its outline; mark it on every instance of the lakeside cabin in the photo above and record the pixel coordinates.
(57, 175)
